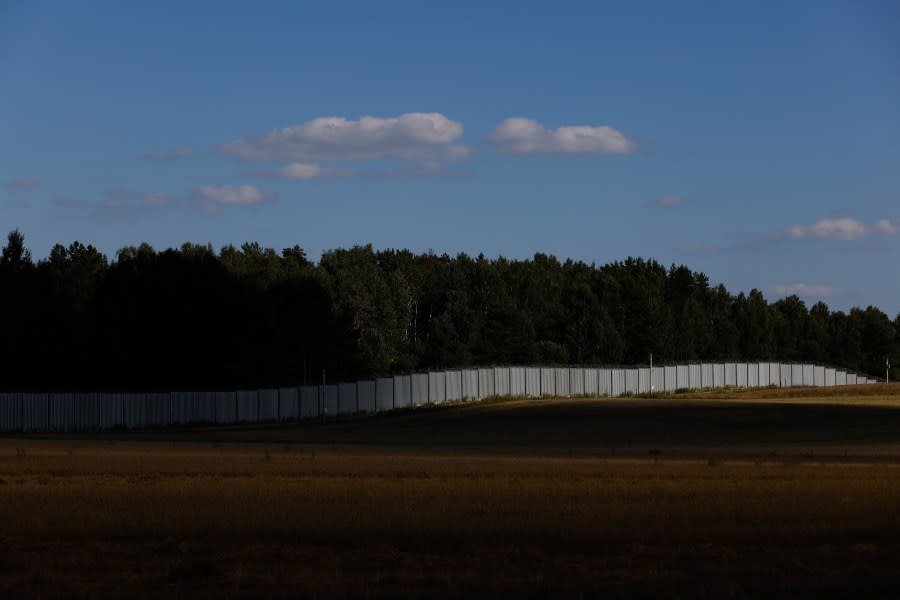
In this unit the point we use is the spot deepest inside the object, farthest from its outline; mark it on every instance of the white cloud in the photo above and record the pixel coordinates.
(301, 171)
(243, 195)
(176, 153)
(842, 229)
(306, 171)
(154, 199)
(20, 185)
(885, 227)
(411, 136)
(806, 290)
(667, 202)
(518, 135)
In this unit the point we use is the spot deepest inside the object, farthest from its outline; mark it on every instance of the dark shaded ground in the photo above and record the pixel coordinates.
(785, 495)
(745, 423)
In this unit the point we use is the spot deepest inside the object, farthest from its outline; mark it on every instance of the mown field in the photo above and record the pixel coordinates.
(751, 494)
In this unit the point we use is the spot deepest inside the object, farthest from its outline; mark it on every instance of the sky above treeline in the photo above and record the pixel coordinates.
(756, 142)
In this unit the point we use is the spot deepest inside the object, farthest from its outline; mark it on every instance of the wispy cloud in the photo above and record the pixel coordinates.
(410, 136)
(805, 290)
(842, 229)
(126, 204)
(15, 186)
(241, 195)
(169, 154)
(518, 135)
(667, 202)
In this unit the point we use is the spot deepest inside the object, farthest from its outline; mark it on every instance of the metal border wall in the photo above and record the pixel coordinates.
(92, 411)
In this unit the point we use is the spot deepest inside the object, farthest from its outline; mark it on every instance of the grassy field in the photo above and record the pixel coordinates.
(751, 494)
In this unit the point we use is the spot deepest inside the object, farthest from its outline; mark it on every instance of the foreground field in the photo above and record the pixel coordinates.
(557, 518)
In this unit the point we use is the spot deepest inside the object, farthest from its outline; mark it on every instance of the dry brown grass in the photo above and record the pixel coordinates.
(162, 519)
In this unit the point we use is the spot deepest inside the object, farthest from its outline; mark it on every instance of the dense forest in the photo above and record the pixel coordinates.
(251, 316)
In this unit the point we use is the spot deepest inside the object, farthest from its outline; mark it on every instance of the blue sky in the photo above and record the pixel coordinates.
(757, 142)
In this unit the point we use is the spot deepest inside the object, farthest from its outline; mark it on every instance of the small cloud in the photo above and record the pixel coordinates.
(154, 199)
(169, 154)
(667, 202)
(15, 186)
(805, 290)
(243, 195)
(699, 249)
(119, 204)
(842, 229)
(410, 136)
(307, 171)
(518, 135)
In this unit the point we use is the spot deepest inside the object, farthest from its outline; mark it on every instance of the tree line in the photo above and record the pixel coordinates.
(192, 318)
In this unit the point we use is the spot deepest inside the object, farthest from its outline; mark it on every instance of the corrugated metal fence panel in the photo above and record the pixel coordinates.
(576, 381)
(840, 377)
(562, 382)
(226, 407)
(591, 382)
(454, 386)
(682, 377)
(632, 381)
(329, 400)
(288, 404)
(644, 380)
(384, 394)
(809, 374)
(707, 376)
(517, 381)
(347, 398)
(402, 391)
(365, 397)
(741, 374)
(268, 406)
(819, 376)
(470, 384)
(182, 404)
(619, 382)
(718, 375)
(730, 374)
(753, 375)
(419, 389)
(672, 382)
(437, 387)
(157, 409)
(657, 381)
(62, 412)
(133, 410)
(206, 407)
(10, 412)
(35, 412)
(501, 381)
(310, 402)
(247, 406)
(548, 381)
(486, 387)
(112, 410)
(533, 382)
(693, 380)
(829, 377)
(605, 382)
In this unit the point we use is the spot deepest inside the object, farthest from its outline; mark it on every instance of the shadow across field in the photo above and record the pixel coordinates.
(598, 426)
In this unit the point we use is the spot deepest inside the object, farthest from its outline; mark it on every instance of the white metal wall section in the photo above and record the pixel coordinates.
(26, 412)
